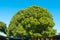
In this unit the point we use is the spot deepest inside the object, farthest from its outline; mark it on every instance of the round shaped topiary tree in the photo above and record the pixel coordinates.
(32, 22)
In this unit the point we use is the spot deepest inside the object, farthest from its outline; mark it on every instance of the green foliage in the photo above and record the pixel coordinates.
(2, 27)
(33, 22)
(49, 32)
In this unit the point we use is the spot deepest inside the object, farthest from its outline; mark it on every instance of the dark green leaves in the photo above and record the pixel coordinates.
(33, 22)
(2, 27)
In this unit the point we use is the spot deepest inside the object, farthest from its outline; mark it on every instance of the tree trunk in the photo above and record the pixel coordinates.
(42, 38)
(34, 38)
(38, 38)
(22, 38)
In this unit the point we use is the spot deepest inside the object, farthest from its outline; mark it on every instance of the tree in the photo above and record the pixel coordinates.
(58, 33)
(32, 22)
(2, 27)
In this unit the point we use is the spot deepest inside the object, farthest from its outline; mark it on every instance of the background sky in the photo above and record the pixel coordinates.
(9, 7)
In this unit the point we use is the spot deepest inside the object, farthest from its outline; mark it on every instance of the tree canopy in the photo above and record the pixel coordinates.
(33, 21)
(2, 27)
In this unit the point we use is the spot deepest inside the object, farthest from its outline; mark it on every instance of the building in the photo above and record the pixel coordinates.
(2, 36)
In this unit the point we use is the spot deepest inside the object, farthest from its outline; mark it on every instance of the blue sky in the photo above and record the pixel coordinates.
(9, 7)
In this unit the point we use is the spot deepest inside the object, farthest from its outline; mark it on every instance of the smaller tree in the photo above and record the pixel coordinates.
(2, 27)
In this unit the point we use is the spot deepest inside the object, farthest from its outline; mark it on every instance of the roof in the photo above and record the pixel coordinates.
(3, 34)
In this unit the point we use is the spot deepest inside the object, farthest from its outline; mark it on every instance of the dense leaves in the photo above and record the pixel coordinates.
(2, 27)
(32, 22)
